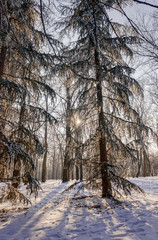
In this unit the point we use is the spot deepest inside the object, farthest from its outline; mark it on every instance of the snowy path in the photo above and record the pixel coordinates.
(56, 216)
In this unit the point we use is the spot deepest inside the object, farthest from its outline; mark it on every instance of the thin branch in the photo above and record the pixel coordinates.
(145, 3)
(43, 24)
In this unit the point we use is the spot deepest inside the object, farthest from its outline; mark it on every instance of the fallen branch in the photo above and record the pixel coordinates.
(83, 197)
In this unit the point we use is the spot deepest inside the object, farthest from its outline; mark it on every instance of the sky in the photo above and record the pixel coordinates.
(134, 10)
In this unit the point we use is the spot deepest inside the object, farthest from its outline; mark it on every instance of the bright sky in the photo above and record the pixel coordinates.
(134, 10)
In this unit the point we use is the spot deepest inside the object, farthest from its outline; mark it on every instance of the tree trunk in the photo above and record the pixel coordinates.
(17, 161)
(139, 157)
(81, 171)
(3, 103)
(77, 173)
(3, 46)
(67, 157)
(2, 67)
(72, 172)
(3, 51)
(146, 167)
(66, 167)
(44, 166)
(2, 59)
(106, 184)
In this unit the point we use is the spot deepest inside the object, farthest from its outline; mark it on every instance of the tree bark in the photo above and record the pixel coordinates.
(81, 171)
(3, 53)
(106, 184)
(139, 157)
(3, 104)
(146, 167)
(17, 160)
(2, 59)
(44, 166)
(77, 173)
(67, 157)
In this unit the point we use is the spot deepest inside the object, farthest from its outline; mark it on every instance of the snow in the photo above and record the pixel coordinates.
(67, 215)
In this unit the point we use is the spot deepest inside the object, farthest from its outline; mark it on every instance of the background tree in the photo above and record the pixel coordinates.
(147, 53)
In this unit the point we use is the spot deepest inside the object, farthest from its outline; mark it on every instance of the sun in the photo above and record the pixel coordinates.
(78, 121)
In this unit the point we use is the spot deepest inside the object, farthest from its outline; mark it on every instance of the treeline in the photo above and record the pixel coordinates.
(68, 98)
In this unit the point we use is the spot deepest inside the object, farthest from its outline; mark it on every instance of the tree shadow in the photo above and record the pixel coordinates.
(22, 224)
(79, 222)
(64, 217)
(97, 220)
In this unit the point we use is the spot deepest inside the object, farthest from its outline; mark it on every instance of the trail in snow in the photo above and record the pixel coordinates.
(56, 216)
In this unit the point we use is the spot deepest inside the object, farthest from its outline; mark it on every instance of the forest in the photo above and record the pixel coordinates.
(78, 94)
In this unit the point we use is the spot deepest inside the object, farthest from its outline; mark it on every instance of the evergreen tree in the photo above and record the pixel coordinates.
(98, 60)
(23, 64)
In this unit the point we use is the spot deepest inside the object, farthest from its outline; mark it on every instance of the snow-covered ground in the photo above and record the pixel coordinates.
(56, 216)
